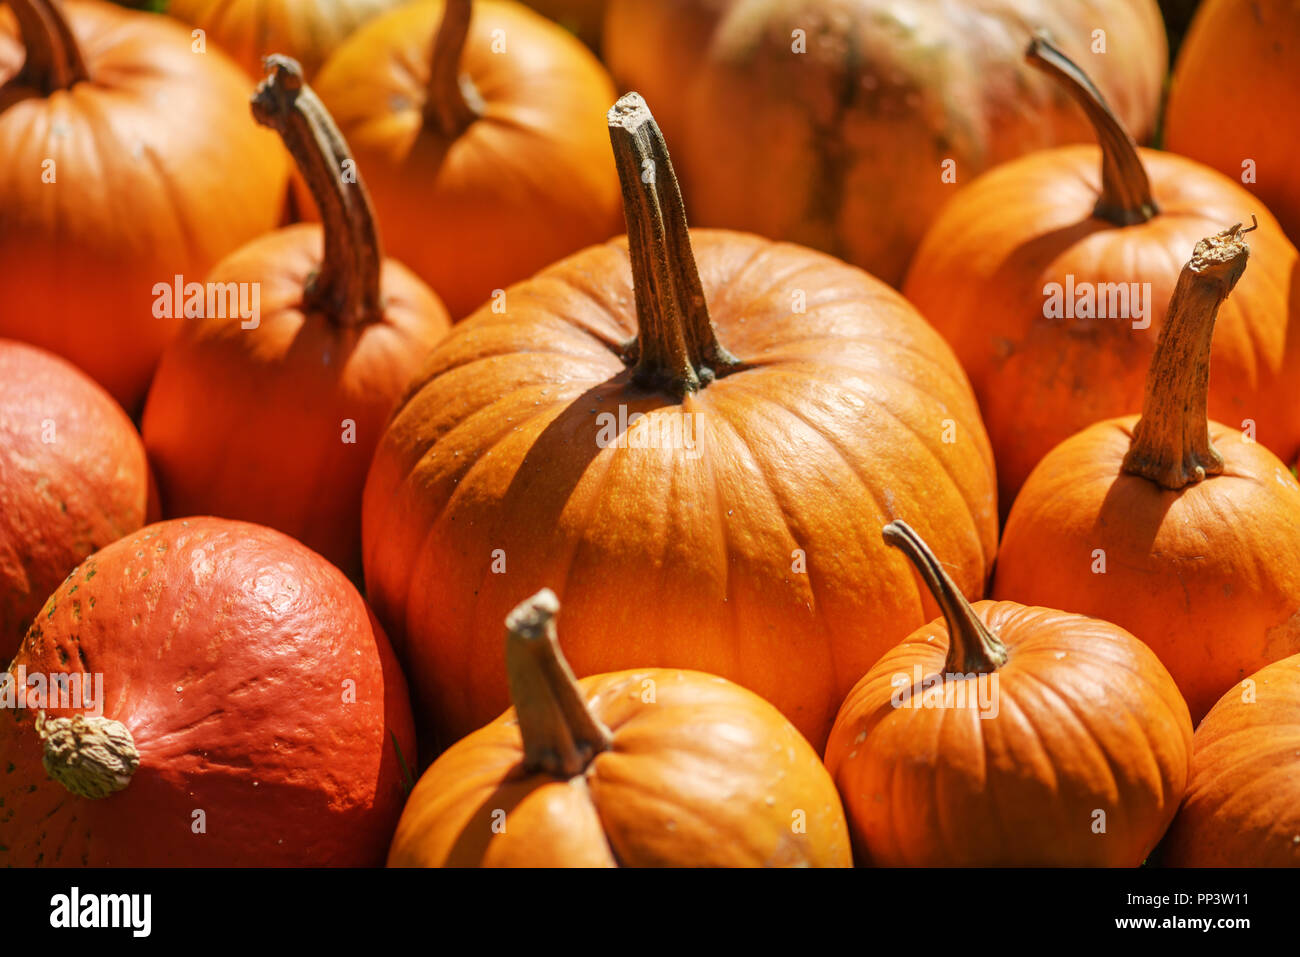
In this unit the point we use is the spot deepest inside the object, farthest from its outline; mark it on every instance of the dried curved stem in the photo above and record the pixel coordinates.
(54, 60)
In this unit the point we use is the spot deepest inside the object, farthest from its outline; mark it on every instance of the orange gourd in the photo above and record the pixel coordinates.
(646, 768)
(1007, 735)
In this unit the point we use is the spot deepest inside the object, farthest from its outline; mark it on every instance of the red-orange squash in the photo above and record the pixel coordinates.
(1006, 735)
(645, 768)
(73, 478)
(681, 435)
(1182, 530)
(125, 160)
(1049, 277)
(481, 139)
(246, 711)
(272, 415)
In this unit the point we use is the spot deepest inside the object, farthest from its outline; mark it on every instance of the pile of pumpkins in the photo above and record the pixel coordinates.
(388, 474)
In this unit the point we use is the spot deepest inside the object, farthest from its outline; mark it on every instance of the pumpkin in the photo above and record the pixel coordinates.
(481, 140)
(305, 30)
(848, 124)
(1050, 282)
(1242, 807)
(124, 160)
(1008, 735)
(645, 768)
(247, 710)
(73, 478)
(680, 431)
(1231, 118)
(1182, 530)
(273, 418)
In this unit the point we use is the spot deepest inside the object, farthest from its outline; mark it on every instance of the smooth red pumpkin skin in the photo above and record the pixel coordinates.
(159, 170)
(73, 478)
(1088, 720)
(1242, 807)
(706, 774)
(226, 649)
(493, 459)
(251, 423)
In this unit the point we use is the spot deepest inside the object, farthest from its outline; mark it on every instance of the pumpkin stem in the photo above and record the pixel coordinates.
(90, 755)
(346, 287)
(560, 733)
(451, 102)
(1171, 442)
(54, 60)
(1125, 189)
(972, 647)
(677, 348)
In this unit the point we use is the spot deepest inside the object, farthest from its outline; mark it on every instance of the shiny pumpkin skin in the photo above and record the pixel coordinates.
(842, 147)
(1223, 116)
(688, 557)
(1208, 577)
(1088, 720)
(527, 183)
(159, 170)
(980, 274)
(706, 774)
(73, 478)
(225, 648)
(250, 423)
(1242, 807)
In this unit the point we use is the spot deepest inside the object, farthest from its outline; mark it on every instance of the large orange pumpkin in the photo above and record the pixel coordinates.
(1009, 735)
(481, 139)
(682, 435)
(1034, 274)
(1241, 120)
(847, 124)
(646, 768)
(73, 478)
(125, 159)
(245, 710)
(274, 418)
(1182, 530)
(1242, 807)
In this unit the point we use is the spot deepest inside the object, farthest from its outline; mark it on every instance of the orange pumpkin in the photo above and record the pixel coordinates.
(1050, 282)
(683, 433)
(1234, 95)
(1182, 530)
(272, 415)
(124, 160)
(1008, 735)
(1242, 807)
(481, 140)
(647, 768)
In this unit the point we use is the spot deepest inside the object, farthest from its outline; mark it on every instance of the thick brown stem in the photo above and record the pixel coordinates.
(53, 58)
(451, 102)
(346, 288)
(1171, 443)
(972, 647)
(560, 733)
(677, 348)
(1125, 189)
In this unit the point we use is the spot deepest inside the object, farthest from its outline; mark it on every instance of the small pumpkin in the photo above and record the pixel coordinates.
(247, 711)
(1050, 281)
(1234, 91)
(1242, 807)
(113, 136)
(481, 140)
(646, 768)
(273, 419)
(1182, 530)
(1007, 735)
(683, 430)
(73, 478)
